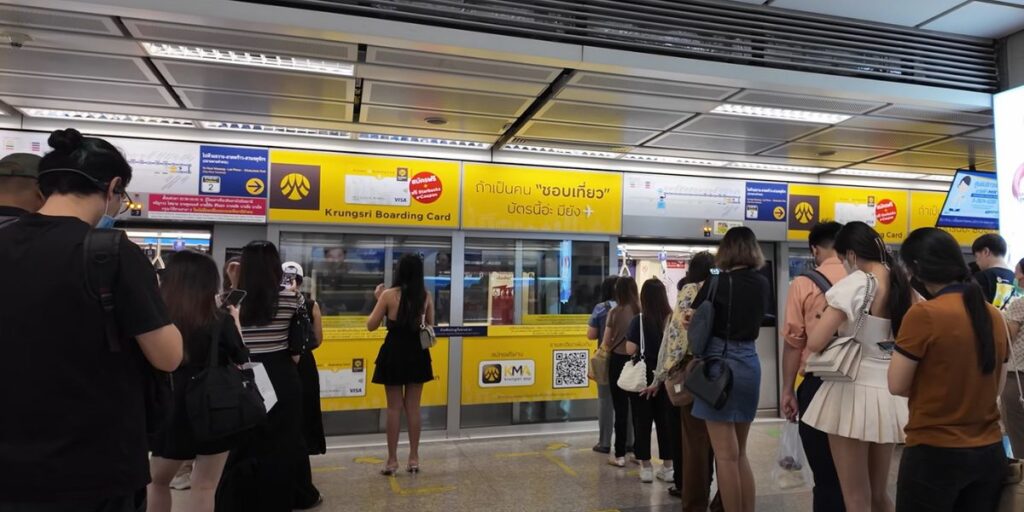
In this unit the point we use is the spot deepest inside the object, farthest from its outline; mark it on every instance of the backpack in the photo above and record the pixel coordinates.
(818, 279)
(301, 337)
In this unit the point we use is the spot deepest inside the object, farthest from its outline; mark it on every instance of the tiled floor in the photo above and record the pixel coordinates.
(556, 473)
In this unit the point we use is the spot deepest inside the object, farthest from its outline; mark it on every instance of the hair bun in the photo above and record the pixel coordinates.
(65, 141)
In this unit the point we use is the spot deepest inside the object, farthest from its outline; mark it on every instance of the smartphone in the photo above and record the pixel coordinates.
(887, 346)
(234, 298)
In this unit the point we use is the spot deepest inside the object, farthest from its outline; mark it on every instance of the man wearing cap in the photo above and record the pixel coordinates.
(19, 186)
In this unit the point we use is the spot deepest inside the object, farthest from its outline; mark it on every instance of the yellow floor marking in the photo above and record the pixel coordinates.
(549, 453)
(560, 463)
(514, 455)
(327, 469)
(556, 446)
(419, 491)
(368, 460)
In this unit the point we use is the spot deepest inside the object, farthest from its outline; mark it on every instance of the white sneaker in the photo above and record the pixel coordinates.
(619, 462)
(646, 475)
(665, 474)
(182, 482)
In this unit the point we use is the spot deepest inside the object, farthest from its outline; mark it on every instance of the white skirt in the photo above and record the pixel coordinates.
(863, 409)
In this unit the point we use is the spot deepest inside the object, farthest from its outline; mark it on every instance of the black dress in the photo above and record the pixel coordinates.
(402, 360)
(312, 416)
(176, 441)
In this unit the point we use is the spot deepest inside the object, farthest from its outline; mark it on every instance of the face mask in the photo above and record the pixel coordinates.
(106, 221)
(848, 267)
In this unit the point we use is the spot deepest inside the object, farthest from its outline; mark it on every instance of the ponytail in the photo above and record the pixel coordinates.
(981, 321)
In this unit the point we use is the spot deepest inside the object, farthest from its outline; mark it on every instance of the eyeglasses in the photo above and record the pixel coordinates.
(126, 203)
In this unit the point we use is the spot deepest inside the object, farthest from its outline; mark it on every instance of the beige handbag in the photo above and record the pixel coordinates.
(1012, 497)
(840, 361)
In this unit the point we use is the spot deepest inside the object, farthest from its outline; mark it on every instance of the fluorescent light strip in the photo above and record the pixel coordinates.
(106, 117)
(269, 128)
(939, 177)
(247, 58)
(585, 153)
(422, 141)
(867, 173)
(776, 167)
(675, 160)
(806, 116)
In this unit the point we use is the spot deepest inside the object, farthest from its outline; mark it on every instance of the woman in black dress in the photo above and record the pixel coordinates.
(189, 288)
(403, 365)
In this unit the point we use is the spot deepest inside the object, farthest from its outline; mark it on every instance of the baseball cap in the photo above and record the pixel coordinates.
(23, 165)
(291, 267)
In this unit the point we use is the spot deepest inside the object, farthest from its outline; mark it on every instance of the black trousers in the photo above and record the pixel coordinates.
(675, 429)
(133, 503)
(620, 403)
(828, 496)
(934, 479)
(645, 413)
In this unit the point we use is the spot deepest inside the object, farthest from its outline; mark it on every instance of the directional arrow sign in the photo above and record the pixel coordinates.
(254, 186)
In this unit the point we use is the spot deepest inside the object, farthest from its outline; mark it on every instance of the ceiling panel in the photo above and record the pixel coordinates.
(465, 65)
(418, 118)
(447, 100)
(941, 116)
(628, 99)
(59, 20)
(242, 79)
(731, 126)
(825, 152)
(74, 64)
(604, 115)
(903, 168)
(450, 80)
(802, 102)
(710, 143)
(647, 86)
(980, 20)
(85, 90)
(75, 41)
(984, 133)
(905, 125)
(904, 12)
(934, 160)
(201, 99)
(843, 136)
(595, 134)
(730, 157)
(220, 38)
(962, 146)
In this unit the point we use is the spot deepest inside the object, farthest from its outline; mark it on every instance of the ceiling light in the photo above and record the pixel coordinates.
(806, 116)
(878, 174)
(77, 115)
(948, 178)
(268, 128)
(422, 141)
(585, 153)
(675, 160)
(776, 167)
(249, 58)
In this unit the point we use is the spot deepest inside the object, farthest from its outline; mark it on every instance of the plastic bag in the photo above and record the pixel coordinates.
(791, 470)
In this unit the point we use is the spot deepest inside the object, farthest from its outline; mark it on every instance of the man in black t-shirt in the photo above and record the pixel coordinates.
(72, 410)
(996, 277)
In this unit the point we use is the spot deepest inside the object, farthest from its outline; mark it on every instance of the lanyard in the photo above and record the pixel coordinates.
(953, 288)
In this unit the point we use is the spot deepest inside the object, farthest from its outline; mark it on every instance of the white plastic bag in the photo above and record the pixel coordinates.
(791, 470)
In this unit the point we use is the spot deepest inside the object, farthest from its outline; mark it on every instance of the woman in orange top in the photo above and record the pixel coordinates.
(948, 360)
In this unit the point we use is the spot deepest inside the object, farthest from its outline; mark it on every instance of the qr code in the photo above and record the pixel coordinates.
(571, 368)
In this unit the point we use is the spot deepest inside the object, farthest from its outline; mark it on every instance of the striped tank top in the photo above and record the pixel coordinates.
(273, 337)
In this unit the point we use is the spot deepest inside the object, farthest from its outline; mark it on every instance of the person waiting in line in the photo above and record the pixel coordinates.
(19, 186)
(189, 287)
(864, 422)
(309, 375)
(614, 342)
(740, 303)
(805, 304)
(694, 462)
(1010, 406)
(73, 403)
(403, 366)
(650, 406)
(595, 331)
(270, 471)
(949, 358)
(996, 276)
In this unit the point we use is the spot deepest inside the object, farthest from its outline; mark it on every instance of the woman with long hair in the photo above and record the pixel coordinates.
(649, 406)
(864, 422)
(627, 306)
(595, 331)
(189, 288)
(948, 360)
(270, 471)
(740, 304)
(403, 365)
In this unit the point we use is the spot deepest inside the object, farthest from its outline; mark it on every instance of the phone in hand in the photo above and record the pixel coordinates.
(887, 346)
(233, 298)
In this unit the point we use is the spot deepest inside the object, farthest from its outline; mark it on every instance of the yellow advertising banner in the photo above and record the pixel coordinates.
(887, 210)
(924, 213)
(337, 188)
(498, 370)
(505, 197)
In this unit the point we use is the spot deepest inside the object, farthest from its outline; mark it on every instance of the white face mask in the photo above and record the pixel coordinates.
(850, 267)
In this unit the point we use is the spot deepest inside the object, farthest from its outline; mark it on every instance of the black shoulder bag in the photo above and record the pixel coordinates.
(222, 400)
(713, 389)
(703, 320)
(301, 338)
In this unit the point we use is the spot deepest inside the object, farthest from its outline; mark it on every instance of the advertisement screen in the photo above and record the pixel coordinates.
(1009, 117)
(972, 202)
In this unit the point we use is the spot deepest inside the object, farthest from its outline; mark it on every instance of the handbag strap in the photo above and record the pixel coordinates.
(728, 319)
(643, 346)
(1013, 359)
(865, 309)
(213, 362)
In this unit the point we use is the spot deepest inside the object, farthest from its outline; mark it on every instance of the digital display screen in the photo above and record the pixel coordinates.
(972, 202)
(1008, 107)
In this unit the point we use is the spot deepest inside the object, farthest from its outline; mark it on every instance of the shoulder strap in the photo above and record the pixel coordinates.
(869, 299)
(643, 346)
(101, 250)
(712, 288)
(218, 324)
(819, 280)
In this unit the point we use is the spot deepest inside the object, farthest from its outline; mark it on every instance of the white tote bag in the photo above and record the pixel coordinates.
(634, 375)
(263, 384)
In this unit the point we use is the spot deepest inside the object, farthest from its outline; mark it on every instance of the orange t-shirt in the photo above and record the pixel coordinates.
(952, 403)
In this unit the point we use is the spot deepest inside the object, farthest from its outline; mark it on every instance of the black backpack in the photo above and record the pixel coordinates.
(819, 280)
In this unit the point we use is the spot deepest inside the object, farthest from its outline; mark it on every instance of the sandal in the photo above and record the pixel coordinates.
(389, 470)
(414, 467)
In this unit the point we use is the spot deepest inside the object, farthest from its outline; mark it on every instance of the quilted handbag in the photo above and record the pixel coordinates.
(840, 361)
(634, 375)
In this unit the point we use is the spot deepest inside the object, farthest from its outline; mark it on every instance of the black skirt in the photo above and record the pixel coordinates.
(312, 417)
(402, 360)
(176, 440)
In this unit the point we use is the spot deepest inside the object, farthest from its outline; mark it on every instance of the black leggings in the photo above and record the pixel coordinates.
(648, 411)
(620, 402)
(934, 479)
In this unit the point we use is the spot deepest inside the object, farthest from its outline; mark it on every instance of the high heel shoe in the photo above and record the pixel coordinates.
(413, 468)
(389, 471)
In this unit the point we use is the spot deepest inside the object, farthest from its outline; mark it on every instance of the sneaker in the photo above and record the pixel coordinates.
(182, 482)
(619, 462)
(632, 458)
(665, 474)
(646, 475)
(601, 449)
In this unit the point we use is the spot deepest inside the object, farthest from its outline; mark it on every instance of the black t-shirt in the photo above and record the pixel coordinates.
(997, 283)
(749, 301)
(230, 348)
(72, 415)
(652, 342)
